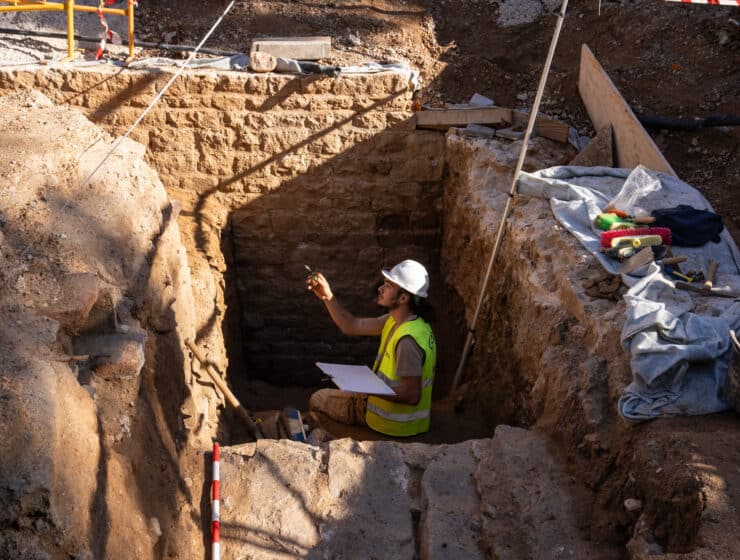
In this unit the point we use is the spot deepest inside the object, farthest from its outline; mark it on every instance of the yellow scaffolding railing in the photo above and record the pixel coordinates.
(70, 8)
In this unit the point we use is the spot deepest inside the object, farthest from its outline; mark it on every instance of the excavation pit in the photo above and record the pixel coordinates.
(267, 174)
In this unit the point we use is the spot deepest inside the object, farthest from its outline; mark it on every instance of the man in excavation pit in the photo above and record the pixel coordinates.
(406, 357)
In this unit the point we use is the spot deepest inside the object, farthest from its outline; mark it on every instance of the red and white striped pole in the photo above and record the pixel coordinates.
(735, 3)
(216, 504)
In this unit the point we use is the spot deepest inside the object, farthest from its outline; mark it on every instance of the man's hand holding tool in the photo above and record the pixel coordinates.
(316, 282)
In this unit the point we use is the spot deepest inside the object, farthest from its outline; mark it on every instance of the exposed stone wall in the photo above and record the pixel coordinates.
(274, 172)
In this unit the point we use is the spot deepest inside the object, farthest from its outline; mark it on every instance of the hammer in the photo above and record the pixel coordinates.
(707, 288)
(221, 384)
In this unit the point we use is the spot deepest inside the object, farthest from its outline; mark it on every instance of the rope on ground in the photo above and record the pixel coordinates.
(120, 139)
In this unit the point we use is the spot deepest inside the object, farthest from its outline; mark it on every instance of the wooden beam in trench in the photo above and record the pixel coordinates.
(462, 115)
(605, 105)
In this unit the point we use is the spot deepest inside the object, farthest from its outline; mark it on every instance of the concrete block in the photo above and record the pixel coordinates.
(298, 48)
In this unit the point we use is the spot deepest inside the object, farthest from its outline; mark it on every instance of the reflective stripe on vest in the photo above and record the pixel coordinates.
(398, 416)
(399, 419)
(387, 380)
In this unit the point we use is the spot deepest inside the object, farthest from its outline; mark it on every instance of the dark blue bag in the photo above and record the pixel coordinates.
(689, 227)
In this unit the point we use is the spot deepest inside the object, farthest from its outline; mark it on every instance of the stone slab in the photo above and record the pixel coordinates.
(285, 499)
(450, 523)
(526, 510)
(297, 48)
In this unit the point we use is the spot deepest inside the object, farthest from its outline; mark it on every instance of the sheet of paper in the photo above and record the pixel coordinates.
(357, 379)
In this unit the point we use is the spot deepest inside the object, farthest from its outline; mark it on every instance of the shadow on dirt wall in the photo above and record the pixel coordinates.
(350, 216)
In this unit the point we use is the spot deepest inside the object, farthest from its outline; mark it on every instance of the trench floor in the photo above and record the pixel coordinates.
(448, 424)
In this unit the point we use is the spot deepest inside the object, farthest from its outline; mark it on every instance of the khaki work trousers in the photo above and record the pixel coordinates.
(342, 406)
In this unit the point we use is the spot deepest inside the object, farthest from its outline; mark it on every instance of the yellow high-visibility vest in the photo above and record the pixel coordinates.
(398, 419)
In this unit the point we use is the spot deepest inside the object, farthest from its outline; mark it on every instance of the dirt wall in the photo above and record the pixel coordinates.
(548, 356)
(96, 442)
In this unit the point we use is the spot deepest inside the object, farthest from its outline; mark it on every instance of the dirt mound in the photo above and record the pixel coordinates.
(88, 265)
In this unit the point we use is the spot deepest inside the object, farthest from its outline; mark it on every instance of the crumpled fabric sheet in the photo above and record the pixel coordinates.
(679, 358)
(233, 62)
(679, 343)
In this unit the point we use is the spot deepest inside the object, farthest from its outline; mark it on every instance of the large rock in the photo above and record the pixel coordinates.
(387, 500)
(526, 500)
(599, 151)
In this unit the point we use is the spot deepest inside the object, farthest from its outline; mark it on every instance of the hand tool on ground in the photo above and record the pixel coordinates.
(611, 209)
(293, 423)
(608, 236)
(224, 388)
(673, 260)
(636, 241)
(625, 247)
(669, 265)
(610, 221)
(640, 259)
(707, 287)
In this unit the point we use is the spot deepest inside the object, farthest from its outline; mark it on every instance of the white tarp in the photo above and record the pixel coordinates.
(678, 342)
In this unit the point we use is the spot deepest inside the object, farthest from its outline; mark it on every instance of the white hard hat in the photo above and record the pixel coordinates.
(411, 276)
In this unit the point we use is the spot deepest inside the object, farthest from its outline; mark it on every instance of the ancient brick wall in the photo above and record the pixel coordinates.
(275, 172)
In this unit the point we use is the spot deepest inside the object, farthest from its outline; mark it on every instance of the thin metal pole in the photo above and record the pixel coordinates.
(512, 192)
(130, 18)
(70, 8)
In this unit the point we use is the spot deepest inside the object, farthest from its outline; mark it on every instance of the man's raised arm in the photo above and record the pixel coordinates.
(347, 322)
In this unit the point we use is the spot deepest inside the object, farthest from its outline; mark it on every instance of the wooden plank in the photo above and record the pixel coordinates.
(548, 128)
(445, 118)
(463, 115)
(605, 105)
(298, 48)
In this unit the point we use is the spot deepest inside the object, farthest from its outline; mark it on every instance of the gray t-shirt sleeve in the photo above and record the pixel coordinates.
(409, 358)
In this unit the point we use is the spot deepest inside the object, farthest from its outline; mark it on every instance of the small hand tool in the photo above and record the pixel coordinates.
(312, 274)
(707, 288)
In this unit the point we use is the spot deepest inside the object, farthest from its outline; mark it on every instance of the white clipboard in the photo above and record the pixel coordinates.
(355, 379)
